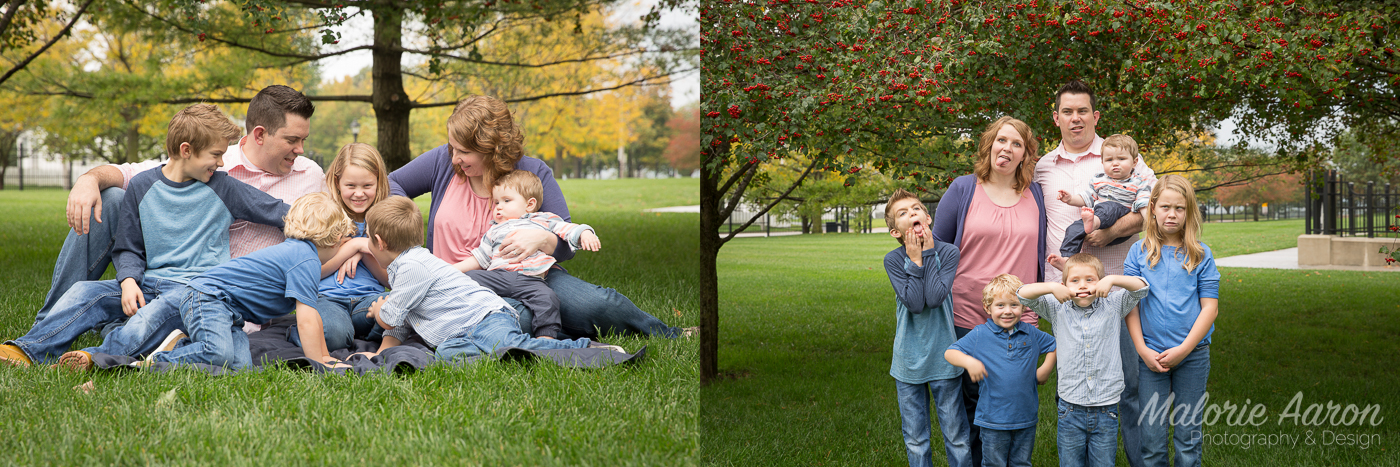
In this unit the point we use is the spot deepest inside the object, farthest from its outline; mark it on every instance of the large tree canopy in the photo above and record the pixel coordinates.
(900, 83)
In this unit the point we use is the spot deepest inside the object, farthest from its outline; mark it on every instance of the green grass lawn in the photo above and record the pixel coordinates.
(490, 413)
(807, 355)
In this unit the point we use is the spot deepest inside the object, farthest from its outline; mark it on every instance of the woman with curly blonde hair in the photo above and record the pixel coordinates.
(485, 143)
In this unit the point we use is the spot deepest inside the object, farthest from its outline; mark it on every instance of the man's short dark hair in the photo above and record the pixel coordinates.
(1072, 87)
(270, 107)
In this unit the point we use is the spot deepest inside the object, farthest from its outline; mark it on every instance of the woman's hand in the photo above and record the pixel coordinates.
(522, 243)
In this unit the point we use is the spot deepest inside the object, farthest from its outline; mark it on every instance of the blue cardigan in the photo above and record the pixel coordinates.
(952, 211)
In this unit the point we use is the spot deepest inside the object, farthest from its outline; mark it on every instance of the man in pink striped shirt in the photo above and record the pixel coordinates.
(1069, 167)
(268, 158)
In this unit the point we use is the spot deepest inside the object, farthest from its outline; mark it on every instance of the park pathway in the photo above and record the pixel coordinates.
(1285, 259)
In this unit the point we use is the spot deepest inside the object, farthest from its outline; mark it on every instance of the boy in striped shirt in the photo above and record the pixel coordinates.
(517, 197)
(1110, 195)
(449, 310)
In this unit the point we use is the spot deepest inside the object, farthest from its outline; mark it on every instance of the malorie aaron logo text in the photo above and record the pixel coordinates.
(1330, 414)
(1157, 411)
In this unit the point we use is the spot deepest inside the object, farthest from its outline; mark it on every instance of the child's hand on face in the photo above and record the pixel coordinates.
(914, 245)
(976, 370)
(1062, 294)
(589, 241)
(1102, 288)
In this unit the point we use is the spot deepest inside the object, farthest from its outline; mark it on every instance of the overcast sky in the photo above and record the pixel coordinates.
(357, 31)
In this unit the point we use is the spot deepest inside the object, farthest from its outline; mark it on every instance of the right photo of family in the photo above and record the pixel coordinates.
(1080, 234)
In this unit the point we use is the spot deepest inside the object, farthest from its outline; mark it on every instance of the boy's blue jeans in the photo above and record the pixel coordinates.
(343, 319)
(84, 257)
(499, 329)
(1007, 447)
(1179, 387)
(216, 334)
(148, 328)
(87, 305)
(952, 421)
(1087, 435)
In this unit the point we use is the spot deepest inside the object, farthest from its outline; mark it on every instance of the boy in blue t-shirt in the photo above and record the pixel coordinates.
(174, 225)
(263, 285)
(921, 271)
(1003, 352)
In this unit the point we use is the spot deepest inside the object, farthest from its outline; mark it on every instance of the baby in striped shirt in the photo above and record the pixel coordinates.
(517, 197)
(1110, 195)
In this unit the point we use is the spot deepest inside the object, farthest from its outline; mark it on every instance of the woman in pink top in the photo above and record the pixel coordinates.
(485, 143)
(996, 218)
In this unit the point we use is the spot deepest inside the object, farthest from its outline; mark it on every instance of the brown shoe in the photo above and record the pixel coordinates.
(12, 355)
(76, 360)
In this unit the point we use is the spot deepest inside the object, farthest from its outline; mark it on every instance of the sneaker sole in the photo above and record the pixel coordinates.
(169, 343)
(76, 361)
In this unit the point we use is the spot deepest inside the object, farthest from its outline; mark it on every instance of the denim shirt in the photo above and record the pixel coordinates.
(1089, 362)
(1007, 397)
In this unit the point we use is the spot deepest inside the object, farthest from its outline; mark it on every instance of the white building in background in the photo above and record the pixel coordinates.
(42, 169)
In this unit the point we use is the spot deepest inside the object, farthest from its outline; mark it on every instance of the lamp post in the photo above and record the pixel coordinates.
(355, 129)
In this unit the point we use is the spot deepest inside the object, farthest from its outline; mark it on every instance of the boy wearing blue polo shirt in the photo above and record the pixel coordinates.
(921, 270)
(265, 284)
(1003, 351)
(1086, 313)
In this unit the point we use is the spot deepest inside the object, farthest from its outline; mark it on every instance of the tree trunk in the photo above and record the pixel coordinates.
(1256, 212)
(391, 104)
(709, 276)
(133, 142)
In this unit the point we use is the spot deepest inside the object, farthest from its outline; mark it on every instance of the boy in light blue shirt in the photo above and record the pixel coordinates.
(1003, 352)
(921, 271)
(1087, 316)
(174, 225)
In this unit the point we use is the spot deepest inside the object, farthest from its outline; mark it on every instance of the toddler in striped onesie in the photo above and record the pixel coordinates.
(1110, 195)
(517, 197)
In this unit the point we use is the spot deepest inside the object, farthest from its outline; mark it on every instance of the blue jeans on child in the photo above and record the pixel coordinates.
(84, 257)
(216, 334)
(1087, 435)
(1007, 447)
(343, 320)
(970, 393)
(148, 328)
(499, 329)
(952, 421)
(1129, 407)
(1163, 393)
(87, 305)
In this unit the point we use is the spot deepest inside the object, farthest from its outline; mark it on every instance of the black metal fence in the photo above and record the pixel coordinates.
(1338, 207)
(1211, 212)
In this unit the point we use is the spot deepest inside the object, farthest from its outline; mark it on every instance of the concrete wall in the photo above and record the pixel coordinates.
(1324, 250)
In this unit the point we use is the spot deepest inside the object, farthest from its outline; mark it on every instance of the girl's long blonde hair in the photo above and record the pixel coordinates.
(1025, 172)
(365, 157)
(1154, 238)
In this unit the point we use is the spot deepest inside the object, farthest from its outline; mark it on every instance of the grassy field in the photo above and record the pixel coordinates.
(491, 413)
(807, 356)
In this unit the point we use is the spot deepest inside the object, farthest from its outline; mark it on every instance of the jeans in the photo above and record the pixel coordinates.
(84, 257)
(216, 334)
(1129, 406)
(497, 330)
(1007, 447)
(145, 331)
(587, 310)
(532, 291)
(1087, 435)
(343, 320)
(952, 421)
(87, 305)
(1163, 395)
(969, 399)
